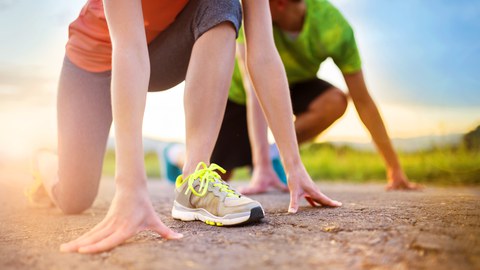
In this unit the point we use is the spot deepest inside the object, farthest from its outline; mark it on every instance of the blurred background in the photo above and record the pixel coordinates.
(420, 58)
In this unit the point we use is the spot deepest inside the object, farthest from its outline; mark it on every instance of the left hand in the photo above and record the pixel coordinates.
(301, 185)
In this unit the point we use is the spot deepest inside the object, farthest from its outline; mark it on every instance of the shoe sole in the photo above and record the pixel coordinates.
(188, 214)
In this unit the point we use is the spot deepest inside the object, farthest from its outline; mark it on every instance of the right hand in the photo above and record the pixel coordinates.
(397, 180)
(130, 212)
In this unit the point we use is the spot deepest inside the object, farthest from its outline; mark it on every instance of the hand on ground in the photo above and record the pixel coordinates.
(263, 179)
(398, 181)
(130, 213)
(301, 185)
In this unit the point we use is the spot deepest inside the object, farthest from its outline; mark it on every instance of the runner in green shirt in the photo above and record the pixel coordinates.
(306, 33)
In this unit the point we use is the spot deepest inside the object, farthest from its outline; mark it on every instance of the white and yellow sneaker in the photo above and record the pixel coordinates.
(204, 196)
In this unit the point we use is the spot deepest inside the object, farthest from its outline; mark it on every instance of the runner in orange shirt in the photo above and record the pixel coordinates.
(119, 50)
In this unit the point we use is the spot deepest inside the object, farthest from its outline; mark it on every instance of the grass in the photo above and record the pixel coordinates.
(445, 166)
(442, 166)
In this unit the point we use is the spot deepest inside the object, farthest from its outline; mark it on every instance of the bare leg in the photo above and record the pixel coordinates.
(226, 176)
(84, 118)
(177, 157)
(206, 91)
(321, 114)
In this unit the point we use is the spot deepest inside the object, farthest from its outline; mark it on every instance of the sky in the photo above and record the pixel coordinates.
(420, 59)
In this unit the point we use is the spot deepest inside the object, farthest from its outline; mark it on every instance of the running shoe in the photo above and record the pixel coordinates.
(204, 196)
(35, 192)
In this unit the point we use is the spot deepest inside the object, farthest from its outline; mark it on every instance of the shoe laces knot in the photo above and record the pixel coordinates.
(207, 174)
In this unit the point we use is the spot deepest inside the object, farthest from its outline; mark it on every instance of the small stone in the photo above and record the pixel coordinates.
(374, 241)
(332, 228)
(432, 242)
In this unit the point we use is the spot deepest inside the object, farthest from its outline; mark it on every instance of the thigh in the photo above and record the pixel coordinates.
(232, 148)
(304, 93)
(170, 52)
(84, 120)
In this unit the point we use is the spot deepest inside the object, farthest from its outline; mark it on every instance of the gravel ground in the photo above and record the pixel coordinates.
(435, 229)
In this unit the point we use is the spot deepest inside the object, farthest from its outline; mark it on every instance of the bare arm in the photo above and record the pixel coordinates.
(257, 125)
(130, 75)
(370, 116)
(270, 83)
(269, 78)
(131, 210)
(263, 175)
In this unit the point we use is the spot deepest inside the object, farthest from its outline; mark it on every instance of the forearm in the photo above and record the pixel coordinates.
(130, 75)
(269, 80)
(129, 87)
(257, 131)
(257, 125)
(371, 118)
(273, 94)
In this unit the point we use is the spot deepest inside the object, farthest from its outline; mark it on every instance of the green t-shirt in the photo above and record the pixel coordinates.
(325, 33)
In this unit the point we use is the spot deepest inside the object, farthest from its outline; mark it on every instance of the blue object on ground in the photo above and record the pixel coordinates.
(278, 167)
(172, 170)
(277, 163)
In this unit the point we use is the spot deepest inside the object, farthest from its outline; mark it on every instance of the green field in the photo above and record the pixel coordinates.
(439, 166)
(442, 166)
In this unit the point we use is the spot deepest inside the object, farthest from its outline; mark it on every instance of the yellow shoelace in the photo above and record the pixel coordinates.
(207, 174)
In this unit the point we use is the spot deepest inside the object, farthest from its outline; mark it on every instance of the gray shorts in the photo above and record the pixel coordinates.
(170, 51)
(84, 112)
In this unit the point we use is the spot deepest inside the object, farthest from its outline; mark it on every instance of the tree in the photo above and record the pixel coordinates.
(471, 140)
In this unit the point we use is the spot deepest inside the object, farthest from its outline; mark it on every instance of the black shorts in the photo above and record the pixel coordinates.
(232, 149)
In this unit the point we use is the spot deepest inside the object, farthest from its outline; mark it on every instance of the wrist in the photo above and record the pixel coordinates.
(130, 183)
(395, 174)
(293, 165)
(264, 168)
(261, 162)
(136, 195)
(394, 168)
(261, 155)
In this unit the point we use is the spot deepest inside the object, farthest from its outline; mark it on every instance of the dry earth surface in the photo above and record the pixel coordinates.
(435, 229)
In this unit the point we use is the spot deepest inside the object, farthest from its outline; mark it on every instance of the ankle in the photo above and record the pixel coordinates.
(190, 167)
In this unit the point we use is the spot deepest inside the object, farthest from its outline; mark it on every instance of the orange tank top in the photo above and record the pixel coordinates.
(89, 45)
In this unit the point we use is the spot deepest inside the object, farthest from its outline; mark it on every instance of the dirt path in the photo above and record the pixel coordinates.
(435, 229)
